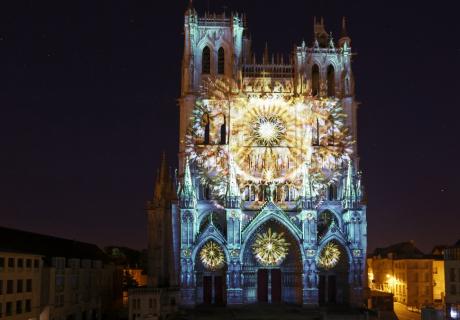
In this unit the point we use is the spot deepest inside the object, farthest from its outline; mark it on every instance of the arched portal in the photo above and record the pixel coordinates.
(272, 283)
(333, 269)
(210, 280)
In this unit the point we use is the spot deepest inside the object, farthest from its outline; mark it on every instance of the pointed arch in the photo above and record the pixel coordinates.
(340, 241)
(263, 217)
(315, 80)
(330, 81)
(337, 217)
(210, 236)
(221, 61)
(206, 60)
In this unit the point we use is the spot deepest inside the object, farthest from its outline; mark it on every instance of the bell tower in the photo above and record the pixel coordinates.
(213, 47)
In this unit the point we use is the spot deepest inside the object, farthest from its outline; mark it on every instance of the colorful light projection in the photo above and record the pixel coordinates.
(269, 136)
(270, 248)
(329, 256)
(268, 130)
(212, 256)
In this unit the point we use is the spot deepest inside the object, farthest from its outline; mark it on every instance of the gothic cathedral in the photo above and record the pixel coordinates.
(267, 205)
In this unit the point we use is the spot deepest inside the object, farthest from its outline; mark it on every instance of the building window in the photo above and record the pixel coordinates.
(452, 275)
(2, 262)
(9, 309)
(20, 263)
(10, 262)
(19, 286)
(206, 61)
(206, 122)
(315, 80)
(29, 285)
(1, 310)
(330, 81)
(28, 305)
(150, 303)
(1, 287)
(134, 303)
(221, 61)
(29, 263)
(223, 132)
(9, 286)
(18, 307)
(453, 289)
(36, 263)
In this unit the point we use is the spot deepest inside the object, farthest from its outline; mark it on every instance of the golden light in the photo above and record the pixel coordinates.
(212, 256)
(270, 248)
(270, 137)
(268, 130)
(329, 256)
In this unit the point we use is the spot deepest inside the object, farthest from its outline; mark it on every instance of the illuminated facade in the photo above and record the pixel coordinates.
(268, 173)
(415, 279)
(452, 280)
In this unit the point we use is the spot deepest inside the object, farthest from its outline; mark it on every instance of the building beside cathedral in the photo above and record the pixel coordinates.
(267, 205)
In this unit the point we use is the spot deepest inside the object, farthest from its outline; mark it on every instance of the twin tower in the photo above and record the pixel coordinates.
(267, 205)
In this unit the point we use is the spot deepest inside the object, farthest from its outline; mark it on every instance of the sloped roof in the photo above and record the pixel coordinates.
(403, 250)
(13, 240)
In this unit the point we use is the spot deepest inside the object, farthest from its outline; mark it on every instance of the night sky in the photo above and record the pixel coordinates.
(88, 102)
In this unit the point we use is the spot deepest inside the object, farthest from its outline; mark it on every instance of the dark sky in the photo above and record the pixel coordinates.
(88, 101)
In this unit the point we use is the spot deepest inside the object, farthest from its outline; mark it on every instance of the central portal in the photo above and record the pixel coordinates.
(269, 285)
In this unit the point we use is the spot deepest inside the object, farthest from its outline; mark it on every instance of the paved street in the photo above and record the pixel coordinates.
(404, 314)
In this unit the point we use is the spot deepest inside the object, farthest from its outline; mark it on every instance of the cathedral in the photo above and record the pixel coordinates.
(267, 203)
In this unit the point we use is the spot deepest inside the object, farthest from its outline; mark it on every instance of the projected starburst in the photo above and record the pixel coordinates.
(329, 256)
(270, 248)
(268, 130)
(212, 256)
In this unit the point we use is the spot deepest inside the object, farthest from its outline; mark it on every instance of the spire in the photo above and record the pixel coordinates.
(190, 9)
(187, 192)
(344, 40)
(350, 195)
(331, 41)
(232, 186)
(161, 180)
(307, 191)
(157, 188)
(344, 32)
(232, 195)
(306, 194)
(265, 56)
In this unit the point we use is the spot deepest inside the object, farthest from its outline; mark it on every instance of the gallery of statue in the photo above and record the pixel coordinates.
(267, 203)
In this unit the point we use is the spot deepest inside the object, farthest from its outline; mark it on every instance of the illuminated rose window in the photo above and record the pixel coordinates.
(329, 256)
(212, 256)
(270, 248)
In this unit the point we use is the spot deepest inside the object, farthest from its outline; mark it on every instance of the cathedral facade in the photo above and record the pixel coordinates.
(267, 205)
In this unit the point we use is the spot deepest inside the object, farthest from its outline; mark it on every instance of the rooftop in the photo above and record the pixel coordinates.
(13, 240)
